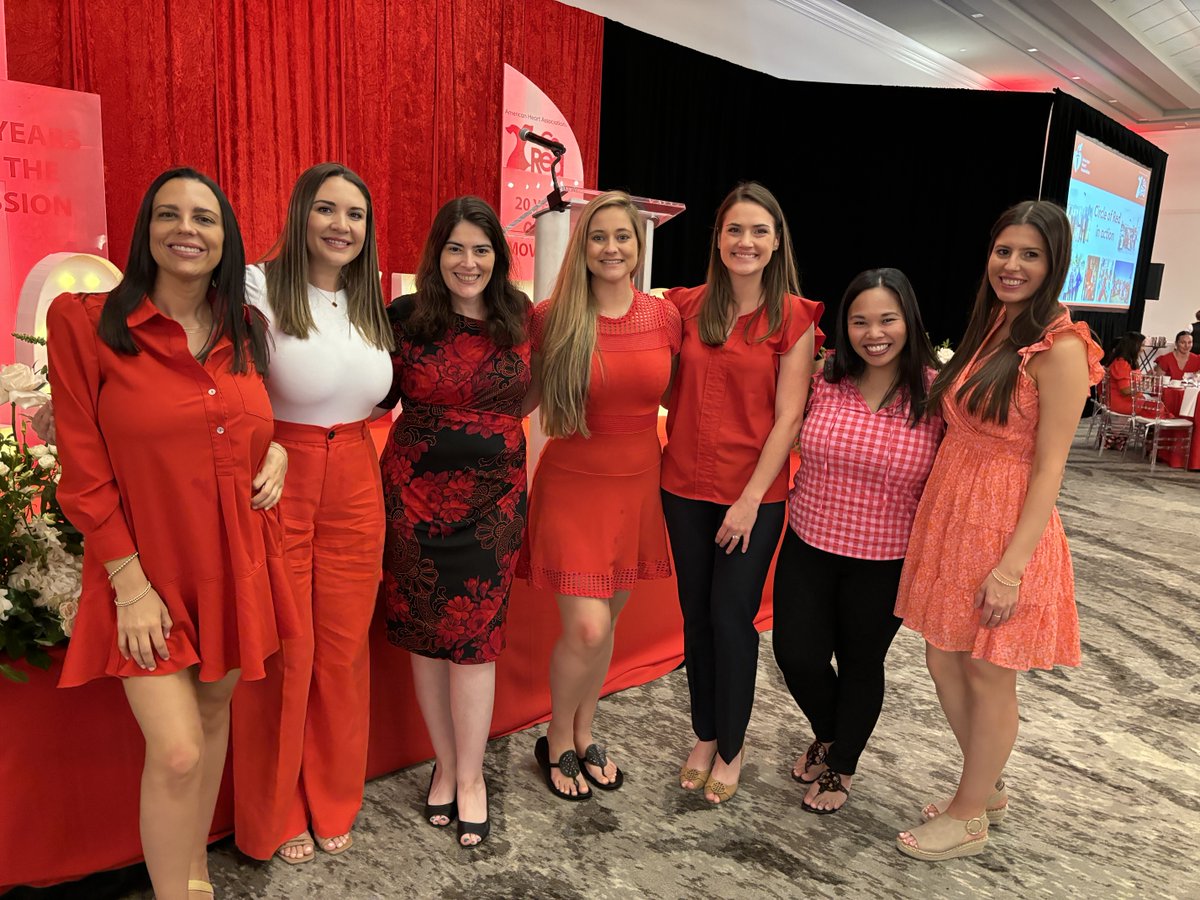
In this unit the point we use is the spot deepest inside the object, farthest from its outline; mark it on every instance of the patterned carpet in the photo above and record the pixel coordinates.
(1105, 780)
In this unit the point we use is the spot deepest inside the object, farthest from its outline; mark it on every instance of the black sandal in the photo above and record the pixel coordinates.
(449, 810)
(814, 756)
(568, 764)
(597, 755)
(830, 783)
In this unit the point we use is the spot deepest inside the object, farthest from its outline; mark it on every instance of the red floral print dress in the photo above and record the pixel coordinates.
(454, 489)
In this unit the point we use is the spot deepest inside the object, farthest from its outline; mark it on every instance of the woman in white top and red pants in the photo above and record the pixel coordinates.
(300, 735)
(866, 449)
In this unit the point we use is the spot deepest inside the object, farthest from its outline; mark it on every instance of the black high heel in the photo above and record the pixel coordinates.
(449, 810)
(480, 830)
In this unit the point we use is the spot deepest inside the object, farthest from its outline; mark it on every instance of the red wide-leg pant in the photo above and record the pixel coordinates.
(300, 734)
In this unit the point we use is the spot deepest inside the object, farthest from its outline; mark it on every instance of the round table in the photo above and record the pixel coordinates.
(1181, 402)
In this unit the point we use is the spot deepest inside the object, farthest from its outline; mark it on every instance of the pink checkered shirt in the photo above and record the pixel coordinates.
(861, 473)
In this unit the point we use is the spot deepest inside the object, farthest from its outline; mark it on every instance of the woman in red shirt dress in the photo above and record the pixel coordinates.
(736, 404)
(867, 446)
(595, 527)
(162, 423)
(988, 580)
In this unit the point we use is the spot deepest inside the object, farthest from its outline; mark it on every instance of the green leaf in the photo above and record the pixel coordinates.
(12, 674)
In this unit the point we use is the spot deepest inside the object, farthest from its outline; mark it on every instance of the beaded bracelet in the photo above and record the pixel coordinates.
(127, 561)
(1007, 582)
(133, 600)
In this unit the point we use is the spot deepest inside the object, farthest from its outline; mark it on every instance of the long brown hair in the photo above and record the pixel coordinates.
(988, 392)
(287, 268)
(569, 333)
(507, 308)
(247, 332)
(780, 277)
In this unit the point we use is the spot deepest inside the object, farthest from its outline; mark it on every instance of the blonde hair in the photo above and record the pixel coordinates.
(287, 269)
(569, 332)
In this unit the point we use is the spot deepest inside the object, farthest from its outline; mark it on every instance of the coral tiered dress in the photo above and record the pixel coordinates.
(966, 519)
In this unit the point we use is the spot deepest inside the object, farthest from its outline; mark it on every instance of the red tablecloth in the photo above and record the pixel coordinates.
(70, 759)
(1172, 400)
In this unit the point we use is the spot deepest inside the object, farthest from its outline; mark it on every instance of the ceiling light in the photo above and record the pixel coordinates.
(1113, 101)
(962, 49)
(1031, 50)
(976, 15)
(1076, 77)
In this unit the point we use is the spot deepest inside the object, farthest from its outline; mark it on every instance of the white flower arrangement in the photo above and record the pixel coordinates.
(41, 554)
(943, 352)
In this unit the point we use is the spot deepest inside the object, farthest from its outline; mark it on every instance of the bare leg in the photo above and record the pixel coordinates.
(586, 636)
(950, 678)
(431, 680)
(586, 714)
(168, 714)
(213, 702)
(992, 733)
(472, 692)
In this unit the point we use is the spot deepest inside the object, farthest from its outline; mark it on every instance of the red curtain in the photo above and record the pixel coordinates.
(406, 93)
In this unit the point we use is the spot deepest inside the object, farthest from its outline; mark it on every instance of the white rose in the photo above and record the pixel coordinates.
(4, 470)
(47, 462)
(944, 355)
(5, 604)
(67, 612)
(19, 377)
(21, 385)
(38, 452)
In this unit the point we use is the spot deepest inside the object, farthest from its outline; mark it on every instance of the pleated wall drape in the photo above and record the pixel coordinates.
(406, 93)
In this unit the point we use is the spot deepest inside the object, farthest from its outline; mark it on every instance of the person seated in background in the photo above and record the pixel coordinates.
(1196, 330)
(1121, 363)
(1180, 360)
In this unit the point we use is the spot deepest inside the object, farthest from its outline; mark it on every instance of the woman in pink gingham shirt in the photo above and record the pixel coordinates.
(867, 446)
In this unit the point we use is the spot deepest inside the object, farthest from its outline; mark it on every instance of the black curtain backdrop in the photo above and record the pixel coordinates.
(1068, 117)
(868, 176)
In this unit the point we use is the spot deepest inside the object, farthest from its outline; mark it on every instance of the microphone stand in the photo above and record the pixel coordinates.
(554, 200)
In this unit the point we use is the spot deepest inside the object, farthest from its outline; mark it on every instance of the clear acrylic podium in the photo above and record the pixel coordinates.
(552, 230)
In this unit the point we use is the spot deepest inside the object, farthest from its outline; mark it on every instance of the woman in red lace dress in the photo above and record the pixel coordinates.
(454, 489)
(604, 354)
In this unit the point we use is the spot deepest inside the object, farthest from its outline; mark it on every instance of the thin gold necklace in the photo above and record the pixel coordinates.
(331, 298)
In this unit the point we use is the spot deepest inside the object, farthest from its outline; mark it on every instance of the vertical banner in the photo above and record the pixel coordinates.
(525, 174)
(52, 194)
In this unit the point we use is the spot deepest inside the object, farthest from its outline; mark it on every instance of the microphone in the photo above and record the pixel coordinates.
(527, 134)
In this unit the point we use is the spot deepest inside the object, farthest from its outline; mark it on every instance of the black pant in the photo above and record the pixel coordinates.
(828, 605)
(719, 595)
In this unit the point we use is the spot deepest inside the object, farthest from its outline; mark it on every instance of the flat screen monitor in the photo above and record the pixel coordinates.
(1106, 203)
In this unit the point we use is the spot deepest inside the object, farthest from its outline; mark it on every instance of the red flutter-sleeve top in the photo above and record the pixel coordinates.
(722, 405)
(158, 453)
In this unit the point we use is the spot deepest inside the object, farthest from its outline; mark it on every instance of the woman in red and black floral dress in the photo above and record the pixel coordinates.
(454, 490)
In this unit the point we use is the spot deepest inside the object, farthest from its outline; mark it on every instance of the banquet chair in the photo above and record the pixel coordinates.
(1099, 406)
(1169, 432)
(1112, 425)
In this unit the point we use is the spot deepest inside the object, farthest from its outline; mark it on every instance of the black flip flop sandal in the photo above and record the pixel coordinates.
(830, 782)
(814, 756)
(597, 755)
(568, 764)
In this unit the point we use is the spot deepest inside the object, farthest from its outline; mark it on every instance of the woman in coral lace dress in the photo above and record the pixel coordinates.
(988, 579)
(604, 352)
